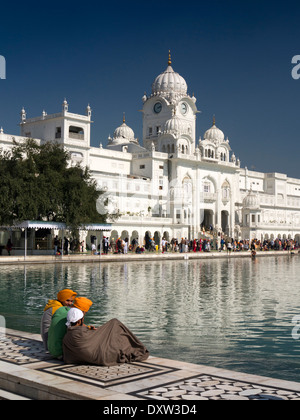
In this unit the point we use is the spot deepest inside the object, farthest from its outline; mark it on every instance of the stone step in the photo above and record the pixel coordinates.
(10, 396)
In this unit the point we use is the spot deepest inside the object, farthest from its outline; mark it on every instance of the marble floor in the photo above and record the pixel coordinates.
(27, 372)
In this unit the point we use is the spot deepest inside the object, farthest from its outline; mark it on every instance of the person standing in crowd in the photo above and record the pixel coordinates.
(105, 244)
(66, 246)
(163, 245)
(125, 246)
(56, 244)
(9, 246)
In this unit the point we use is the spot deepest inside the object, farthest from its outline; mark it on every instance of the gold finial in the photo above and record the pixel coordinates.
(214, 120)
(170, 61)
(124, 118)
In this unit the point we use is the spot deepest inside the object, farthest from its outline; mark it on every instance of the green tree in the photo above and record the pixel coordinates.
(37, 183)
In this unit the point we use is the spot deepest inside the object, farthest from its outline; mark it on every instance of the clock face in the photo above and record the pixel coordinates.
(184, 108)
(157, 108)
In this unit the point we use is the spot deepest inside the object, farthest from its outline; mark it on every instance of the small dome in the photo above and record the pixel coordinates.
(214, 134)
(123, 134)
(169, 81)
(174, 125)
(251, 201)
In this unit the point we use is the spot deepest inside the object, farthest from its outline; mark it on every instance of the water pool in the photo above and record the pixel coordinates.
(235, 314)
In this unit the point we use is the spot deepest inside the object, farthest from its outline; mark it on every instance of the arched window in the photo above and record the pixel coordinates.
(226, 191)
(208, 185)
(187, 186)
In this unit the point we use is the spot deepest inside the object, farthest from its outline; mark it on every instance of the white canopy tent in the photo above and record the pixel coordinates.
(28, 224)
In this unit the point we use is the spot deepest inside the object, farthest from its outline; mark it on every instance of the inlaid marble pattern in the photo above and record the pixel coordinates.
(21, 350)
(205, 387)
(105, 376)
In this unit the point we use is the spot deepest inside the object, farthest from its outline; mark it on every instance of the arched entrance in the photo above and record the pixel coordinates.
(114, 235)
(167, 236)
(134, 240)
(208, 221)
(148, 236)
(125, 234)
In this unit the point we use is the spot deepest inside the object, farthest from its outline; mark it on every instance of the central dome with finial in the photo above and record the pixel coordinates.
(169, 82)
(214, 134)
(123, 134)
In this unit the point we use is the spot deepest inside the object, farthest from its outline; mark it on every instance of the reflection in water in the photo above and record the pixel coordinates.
(235, 314)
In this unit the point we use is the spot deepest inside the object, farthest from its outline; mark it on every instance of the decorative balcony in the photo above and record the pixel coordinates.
(210, 197)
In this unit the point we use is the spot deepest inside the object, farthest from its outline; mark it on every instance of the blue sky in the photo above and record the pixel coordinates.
(235, 56)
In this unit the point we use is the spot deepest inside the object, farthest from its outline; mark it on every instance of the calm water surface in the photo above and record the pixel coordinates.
(235, 314)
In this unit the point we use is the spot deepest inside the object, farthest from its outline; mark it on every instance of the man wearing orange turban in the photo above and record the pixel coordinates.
(83, 304)
(64, 298)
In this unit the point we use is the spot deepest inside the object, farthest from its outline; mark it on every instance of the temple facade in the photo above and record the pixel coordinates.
(173, 184)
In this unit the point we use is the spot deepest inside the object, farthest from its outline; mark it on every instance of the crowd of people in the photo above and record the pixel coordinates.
(123, 246)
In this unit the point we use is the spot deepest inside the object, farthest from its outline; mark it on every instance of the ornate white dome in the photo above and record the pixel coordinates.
(214, 134)
(123, 134)
(169, 82)
(251, 201)
(174, 125)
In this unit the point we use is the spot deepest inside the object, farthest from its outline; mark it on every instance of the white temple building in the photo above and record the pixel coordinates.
(173, 185)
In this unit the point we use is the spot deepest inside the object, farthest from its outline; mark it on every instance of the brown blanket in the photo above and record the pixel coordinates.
(108, 345)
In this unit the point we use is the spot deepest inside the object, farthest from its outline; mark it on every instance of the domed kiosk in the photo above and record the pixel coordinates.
(124, 139)
(214, 134)
(251, 214)
(214, 146)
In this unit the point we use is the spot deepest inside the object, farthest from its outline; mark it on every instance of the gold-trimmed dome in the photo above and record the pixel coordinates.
(214, 134)
(169, 82)
(123, 134)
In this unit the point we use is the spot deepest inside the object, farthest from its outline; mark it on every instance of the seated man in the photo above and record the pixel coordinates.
(64, 298)
(58, 327)
(108, 345)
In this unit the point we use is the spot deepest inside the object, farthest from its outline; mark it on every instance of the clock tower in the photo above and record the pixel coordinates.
(169, 114)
